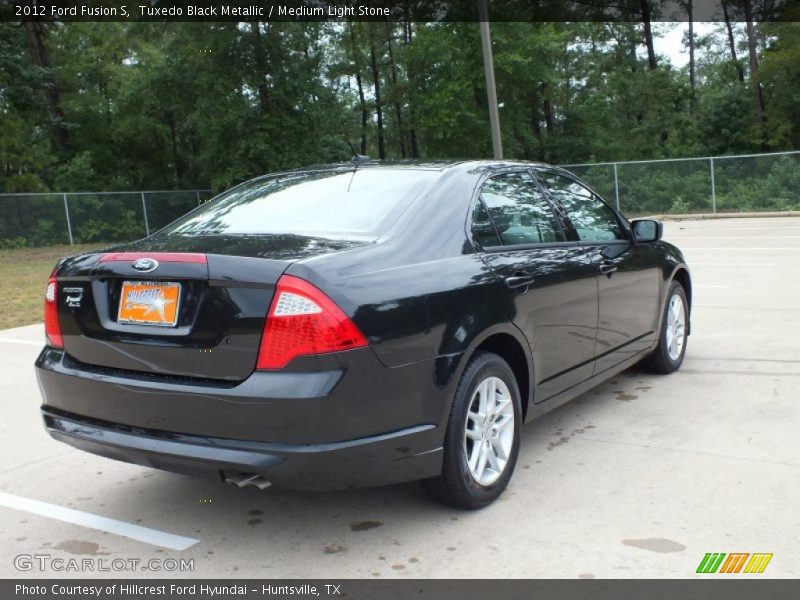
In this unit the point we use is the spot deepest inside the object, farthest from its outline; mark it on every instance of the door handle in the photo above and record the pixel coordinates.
(608, 268)
(519, 280)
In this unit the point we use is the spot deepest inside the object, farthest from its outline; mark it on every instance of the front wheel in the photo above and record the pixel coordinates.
(482, 439)
(668, 355)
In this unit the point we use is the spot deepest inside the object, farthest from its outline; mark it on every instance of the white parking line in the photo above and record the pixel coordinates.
(26, 342)
(153, 537)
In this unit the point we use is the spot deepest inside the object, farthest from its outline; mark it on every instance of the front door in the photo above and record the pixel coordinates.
(627, 276)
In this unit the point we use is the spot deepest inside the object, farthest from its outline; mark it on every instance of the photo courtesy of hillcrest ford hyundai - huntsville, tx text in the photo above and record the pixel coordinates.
(358, 325)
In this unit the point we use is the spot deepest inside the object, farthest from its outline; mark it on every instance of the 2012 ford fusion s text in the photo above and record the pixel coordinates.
(358, 325)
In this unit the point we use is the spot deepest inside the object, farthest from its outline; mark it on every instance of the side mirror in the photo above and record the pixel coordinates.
(647, 230)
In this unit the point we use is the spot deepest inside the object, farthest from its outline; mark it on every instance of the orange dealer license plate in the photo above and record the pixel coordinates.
(149, 303)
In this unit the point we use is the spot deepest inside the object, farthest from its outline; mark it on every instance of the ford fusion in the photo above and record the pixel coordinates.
(358, 325)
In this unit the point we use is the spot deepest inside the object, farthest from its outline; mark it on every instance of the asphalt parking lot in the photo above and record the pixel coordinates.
(639, 478)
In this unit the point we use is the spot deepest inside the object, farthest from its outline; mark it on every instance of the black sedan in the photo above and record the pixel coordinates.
(359, 325)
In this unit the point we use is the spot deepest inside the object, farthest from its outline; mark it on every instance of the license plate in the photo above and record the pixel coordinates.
(149, 303)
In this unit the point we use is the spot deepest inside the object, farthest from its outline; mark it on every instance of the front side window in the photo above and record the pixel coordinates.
(590, 217)
(519, 210)
(358, 203)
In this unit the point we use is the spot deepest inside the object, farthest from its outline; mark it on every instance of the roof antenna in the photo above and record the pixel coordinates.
(356, 158)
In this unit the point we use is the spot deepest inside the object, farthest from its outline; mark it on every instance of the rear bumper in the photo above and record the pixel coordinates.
(365, 462)
(297, 429)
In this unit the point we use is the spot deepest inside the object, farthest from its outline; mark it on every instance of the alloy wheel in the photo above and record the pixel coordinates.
(489, 431)
(676, 327)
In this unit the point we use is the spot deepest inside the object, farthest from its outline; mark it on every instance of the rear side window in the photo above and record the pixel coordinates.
(359, 203)
(482, 227)
(519, 210)
(590, 217)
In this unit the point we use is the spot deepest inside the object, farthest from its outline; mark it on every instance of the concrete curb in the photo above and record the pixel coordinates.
(738, 215)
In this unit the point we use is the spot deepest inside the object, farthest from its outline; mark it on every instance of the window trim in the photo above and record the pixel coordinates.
(521, 247)
(476, 198)
(623, 223)
(491, 222)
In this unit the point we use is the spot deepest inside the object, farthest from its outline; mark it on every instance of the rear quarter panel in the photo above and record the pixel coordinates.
(420, 293)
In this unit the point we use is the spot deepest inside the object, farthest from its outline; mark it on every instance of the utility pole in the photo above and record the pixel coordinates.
(491, 91)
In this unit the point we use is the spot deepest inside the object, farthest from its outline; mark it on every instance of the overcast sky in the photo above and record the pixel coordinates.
(671, 43)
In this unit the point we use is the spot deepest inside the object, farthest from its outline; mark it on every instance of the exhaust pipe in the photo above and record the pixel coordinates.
(243, 480)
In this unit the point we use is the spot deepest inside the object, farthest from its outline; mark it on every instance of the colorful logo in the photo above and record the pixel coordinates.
(720, 562)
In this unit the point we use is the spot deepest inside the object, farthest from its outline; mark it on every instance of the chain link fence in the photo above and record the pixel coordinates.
(744, 183)
(87, 217)
(712, 184)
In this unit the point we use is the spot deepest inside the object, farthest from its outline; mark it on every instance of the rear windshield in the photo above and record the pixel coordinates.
(361, 203)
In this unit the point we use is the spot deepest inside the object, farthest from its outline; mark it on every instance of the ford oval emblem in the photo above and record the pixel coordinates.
(145, 265)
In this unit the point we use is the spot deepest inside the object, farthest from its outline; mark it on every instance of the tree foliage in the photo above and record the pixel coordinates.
(196, 105)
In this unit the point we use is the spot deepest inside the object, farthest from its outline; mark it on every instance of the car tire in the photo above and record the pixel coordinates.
(480, 445)
(668, 355)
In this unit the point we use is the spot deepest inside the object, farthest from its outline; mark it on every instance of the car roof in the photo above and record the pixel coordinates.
(468, 165)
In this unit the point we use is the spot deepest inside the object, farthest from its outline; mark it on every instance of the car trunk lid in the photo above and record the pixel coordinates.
(216, 306)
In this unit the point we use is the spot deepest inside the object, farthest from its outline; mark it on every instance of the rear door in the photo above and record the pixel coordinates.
(549, 282)
(627, 276)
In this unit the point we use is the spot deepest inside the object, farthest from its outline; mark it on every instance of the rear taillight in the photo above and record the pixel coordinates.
(301, 321)
(52, 329)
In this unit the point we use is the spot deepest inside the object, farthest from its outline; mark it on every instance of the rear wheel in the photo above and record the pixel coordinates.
(482, 439)
(668, 355)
